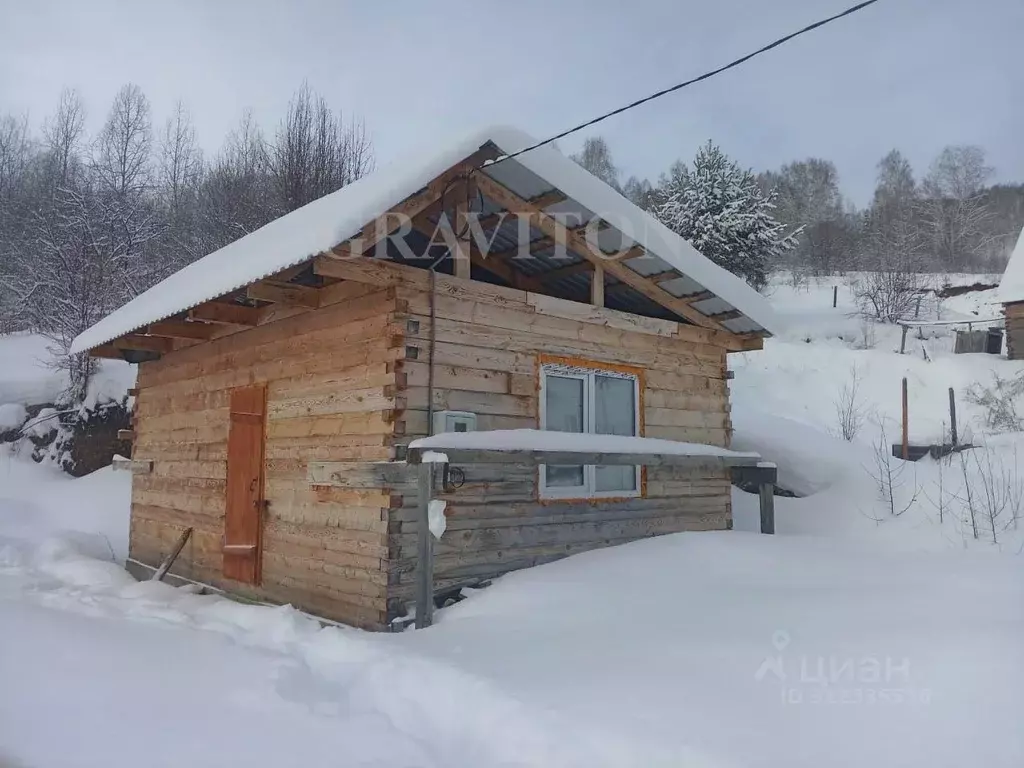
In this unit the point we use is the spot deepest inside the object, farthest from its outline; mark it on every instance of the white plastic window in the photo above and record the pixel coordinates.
(591, 401)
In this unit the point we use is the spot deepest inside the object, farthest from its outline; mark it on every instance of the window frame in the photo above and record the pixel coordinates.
(587, 372)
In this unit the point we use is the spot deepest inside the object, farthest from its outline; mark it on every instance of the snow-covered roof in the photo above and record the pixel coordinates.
(333, 219)
(1011, 287)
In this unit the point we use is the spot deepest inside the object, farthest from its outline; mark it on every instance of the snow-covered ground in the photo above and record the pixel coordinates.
(854, 637)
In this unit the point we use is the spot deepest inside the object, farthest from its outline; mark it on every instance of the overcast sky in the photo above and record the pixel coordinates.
(912, 74)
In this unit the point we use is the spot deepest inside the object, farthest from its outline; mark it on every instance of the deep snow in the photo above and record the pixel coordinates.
(693, 649)
(853, 637)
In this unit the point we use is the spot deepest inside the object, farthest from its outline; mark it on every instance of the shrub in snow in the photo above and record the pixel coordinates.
(895, 493)
(889, 294)
(41, 427)
(993, 493)
(849, 408)
(722, 211)
(999, 402)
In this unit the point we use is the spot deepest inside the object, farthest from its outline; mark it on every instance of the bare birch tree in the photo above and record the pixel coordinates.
(122, 171)
(315, 152)
(954, 210)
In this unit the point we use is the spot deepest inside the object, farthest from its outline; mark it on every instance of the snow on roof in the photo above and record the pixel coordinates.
(329, 221)
(542, 440)
(1011, 287)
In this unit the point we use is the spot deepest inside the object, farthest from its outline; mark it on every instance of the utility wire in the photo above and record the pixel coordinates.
(705, 76)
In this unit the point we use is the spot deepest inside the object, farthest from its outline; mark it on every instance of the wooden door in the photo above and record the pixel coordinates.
(243, 518)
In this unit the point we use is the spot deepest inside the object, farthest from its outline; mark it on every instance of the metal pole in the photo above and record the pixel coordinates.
(424, 550)
(835, 296)
(906, 422)
(903, 341)
(952, 417)
(766, 494)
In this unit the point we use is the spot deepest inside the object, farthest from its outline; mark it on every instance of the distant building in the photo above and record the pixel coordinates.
(1011, 294)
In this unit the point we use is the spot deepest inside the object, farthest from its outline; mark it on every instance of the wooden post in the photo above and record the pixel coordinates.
(424, 550)
(766, 497)
(903, 340)
(597, 286)
(165, 566)
(952, 417)
(835, 296)
(463, 265)
(906, 445)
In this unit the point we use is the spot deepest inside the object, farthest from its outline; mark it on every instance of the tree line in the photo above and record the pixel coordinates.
(796, 217)
(89, 222)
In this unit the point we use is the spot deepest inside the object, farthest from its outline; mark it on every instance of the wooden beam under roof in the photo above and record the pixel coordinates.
(489, 262)
(178, 329)
(553, 197)
(693, 298)
(227, 314)
(664, 277)
(533, 245)
(284, 293)
(553, 228)
(541, 201)
(107, 352)
(378, 229)
(732, 314)
(159, 344)
(568, 270)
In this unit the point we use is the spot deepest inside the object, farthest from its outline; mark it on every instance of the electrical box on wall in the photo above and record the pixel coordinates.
(454, 421)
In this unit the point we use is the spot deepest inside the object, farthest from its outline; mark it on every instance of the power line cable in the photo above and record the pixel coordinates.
(679, 86)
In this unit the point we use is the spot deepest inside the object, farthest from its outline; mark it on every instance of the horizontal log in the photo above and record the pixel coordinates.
(697, 462)
(338, 401)
(372, 423)
(414, 423)
(509, 537)
(135, 466)
(494, 562)
(347, 474)
(491, 403)
(458, 377)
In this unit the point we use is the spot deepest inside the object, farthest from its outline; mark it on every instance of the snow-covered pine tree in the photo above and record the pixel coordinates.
(722, 211)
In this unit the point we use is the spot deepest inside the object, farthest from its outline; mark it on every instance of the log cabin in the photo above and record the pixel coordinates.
(1011, 294)
(281, 378)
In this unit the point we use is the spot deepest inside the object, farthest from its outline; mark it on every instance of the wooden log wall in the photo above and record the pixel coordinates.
(348, 383)
(330, 377)
(488, 346)
(1014, 330)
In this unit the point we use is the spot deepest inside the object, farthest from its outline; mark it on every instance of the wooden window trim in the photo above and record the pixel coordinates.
(597, 366)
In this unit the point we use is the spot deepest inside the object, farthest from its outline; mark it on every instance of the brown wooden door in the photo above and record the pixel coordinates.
(243, 518)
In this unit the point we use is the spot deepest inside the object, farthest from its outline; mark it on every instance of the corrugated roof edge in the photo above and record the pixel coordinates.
(324, 223)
